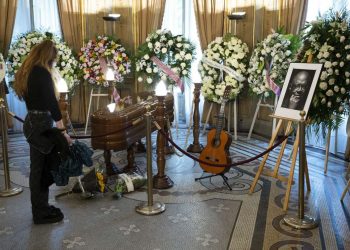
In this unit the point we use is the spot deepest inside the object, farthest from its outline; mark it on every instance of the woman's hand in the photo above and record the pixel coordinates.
(69, 140)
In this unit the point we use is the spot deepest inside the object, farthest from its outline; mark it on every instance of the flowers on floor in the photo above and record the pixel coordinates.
(164, 56)
(227, 51)
(103, 51)
(326, 41)
(270, 61)
(66, 63)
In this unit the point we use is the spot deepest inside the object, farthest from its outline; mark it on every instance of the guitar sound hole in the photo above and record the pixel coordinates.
(216, 143)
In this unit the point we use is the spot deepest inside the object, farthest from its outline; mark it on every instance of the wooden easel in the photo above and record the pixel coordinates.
(274, 173)
(98, 95)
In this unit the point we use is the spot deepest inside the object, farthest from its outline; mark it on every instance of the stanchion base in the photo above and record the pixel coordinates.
(306, 223)
(10, 192)
(195, 148)
(145, 209)
(162, 182)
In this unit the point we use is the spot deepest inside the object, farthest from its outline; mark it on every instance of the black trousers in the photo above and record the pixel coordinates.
(40, 177)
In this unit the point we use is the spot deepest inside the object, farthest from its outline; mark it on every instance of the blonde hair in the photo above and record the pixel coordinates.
(42, 54)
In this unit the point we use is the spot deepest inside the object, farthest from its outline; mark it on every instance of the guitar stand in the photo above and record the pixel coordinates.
(222, 175)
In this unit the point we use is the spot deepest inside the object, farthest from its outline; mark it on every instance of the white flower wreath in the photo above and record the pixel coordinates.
(273, 54)
(326, 41)
(66, 62)
(2, 68)
(229, 51)
(175, 52)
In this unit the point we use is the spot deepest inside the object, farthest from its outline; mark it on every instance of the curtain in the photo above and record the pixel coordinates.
(292, 15)
(210, 17)
(71, 19)
(7, 21)
(147, 17)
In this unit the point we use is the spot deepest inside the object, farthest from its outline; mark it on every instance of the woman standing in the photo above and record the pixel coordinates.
(34, 84)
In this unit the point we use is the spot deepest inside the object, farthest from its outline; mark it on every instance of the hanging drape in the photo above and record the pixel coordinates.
(71, 19)
(7, 21)
(70, 12)
(210, 17)
(147, 17)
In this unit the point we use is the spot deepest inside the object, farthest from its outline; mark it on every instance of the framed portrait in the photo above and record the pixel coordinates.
(298, 90)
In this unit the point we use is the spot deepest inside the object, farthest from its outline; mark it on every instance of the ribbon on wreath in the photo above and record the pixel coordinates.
(272, 85)
(116, 95)
(167, 70)
(221, 67)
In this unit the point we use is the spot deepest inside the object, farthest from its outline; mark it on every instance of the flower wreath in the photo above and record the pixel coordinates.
(103, 47)
(2, 68)
(164, 56)
(270, 61)
(66, 64)
(326, 41)
(231, 52)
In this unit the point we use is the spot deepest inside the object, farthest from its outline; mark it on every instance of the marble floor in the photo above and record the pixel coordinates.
(199, 214)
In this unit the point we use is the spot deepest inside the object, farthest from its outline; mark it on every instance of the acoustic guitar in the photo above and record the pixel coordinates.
(218, 143)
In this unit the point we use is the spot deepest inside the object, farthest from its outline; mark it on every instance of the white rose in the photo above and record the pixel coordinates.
(170, 42)
(323, 75)
(179, 45)
(149, 80)
(329, 104)
(323, 85)
(157, 44)
(331, 81)
(348, 57)
(347, 81)
(342, 39)
(329, 92)
(184, 72)
(341, 109)
(139, 79)
(328, 64)
(188, 56)
(347, 74)
(341, 64)
(163, 77)
(336, 88)
(326, 54)
(146, 56)
(164, 50)
(323, 101)
(338, 99)
(342, 90)
(155, 69)
(149, 70)
(177, 56)
(150, 45)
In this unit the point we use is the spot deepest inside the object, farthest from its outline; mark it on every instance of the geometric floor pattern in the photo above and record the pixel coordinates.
(198, 215)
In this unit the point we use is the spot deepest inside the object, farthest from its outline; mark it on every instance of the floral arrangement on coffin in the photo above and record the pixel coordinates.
(2, 68)
(164, 52)
(66, 63)
(326, 41)
(227, 51)
(270, 60)
(103, 48)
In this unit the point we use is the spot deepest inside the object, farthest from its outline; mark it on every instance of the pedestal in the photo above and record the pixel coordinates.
(196, 147)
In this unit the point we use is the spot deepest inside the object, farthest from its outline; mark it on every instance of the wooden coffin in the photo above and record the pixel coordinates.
(125, 127)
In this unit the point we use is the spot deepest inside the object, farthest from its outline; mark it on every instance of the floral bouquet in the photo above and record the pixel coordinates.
(270, 61)
(66, 64)
(326, 41)
(164, 56)
(103, 48)
(222, 53)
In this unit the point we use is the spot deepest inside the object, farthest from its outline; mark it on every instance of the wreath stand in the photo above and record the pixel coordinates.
(228, 118)
(98, 95)
(258, 106)
(274, 173)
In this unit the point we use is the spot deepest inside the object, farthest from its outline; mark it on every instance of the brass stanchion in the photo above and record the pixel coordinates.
(160, 180)
(196, 147)
(8, 191)
(149, 207)
(301, 221)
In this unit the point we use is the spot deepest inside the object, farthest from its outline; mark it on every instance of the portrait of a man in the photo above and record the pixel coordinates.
(298, 89)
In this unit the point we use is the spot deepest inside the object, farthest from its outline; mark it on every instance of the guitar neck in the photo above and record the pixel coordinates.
(220, 121)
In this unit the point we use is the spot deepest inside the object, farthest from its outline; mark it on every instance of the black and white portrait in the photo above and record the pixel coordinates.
(298, 90)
